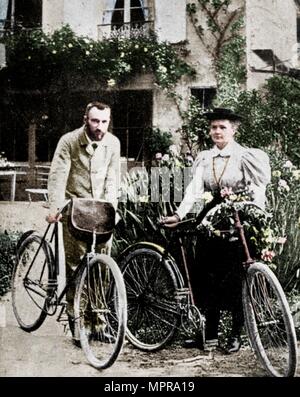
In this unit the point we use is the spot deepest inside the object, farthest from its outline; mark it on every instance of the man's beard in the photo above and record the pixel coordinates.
(93, 135)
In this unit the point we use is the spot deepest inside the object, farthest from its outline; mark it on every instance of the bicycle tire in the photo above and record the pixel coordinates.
(269, 322)
(151, 284)
(100, 308)
(30, 295)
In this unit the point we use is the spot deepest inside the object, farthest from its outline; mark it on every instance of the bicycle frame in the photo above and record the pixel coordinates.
(184, 262)
(55, 299)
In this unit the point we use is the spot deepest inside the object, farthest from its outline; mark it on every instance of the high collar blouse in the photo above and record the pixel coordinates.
(233, 167)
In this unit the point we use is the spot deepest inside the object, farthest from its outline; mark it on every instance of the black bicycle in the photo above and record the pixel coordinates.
(160, 298)
(100, 304)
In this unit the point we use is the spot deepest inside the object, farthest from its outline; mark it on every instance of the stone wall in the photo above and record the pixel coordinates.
(271, 24)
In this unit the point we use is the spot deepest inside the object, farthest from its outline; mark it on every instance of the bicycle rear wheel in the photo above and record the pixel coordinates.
(151, 287)
(32, 282)
(100, 309)
(269, 322)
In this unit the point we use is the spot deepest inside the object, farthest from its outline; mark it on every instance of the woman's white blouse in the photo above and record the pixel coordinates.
(243, 167)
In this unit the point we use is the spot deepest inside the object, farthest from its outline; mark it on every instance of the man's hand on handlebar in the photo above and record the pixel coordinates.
(53, 218)
(170, 221)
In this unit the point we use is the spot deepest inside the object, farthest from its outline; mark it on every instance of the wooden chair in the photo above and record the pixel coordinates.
(42, 172)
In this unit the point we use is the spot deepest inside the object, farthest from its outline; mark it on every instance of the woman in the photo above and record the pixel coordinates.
(216, 279)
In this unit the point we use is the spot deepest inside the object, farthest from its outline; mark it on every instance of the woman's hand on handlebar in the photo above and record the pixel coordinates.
(170, 221)
(50, 218)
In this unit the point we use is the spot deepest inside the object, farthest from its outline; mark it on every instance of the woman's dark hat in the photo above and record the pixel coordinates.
(222, 114)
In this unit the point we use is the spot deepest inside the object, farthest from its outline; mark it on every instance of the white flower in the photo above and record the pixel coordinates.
(281, 240)
(296, 174)
(207, 197)
(111, 82)
(158, 156)
(70, 45)
(145, 49)
(87, 53)
(283, 185)
(174, 150)
(54, 52)
(226, 191)
(122, 55)
(136, 46)
(233, 197)
(276, 173)
(288, 164)
(162, 69)
(166, 157)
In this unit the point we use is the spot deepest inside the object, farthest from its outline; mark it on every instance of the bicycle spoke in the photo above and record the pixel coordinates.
(152, 307)
(270, 324)
(100, 311)
(33, 283)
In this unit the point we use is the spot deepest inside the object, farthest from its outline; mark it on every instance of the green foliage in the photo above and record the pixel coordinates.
(283, 200)
(7, 257)
(146, 197)
(230, 66)
(226, 44)
(156, 141)
(35, 59)
(271, 116)
(194, 130)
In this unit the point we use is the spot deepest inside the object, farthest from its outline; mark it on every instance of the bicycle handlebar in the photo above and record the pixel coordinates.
(62, 209)
(212, 204)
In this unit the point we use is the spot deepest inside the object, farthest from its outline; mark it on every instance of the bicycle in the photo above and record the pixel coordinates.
(160, 298)
(100, 304)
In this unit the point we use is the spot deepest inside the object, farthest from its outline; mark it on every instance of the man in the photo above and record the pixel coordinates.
(85, 164)
(216, 277)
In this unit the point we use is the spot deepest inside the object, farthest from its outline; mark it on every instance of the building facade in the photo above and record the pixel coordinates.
(269, 29)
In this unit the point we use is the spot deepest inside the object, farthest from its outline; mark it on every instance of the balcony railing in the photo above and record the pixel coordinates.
(131, 22)
(126, 30)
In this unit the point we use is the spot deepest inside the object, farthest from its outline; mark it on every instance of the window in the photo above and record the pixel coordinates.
(204, 95)
(132, 115)
(125, 17)
(22, 13)
(128, 11)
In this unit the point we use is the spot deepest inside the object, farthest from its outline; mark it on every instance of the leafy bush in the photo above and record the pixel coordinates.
(7, 256)
(156, 141)
(144, 201)
(36, 59)
(283, 200)
(194, 130)
(271, 116)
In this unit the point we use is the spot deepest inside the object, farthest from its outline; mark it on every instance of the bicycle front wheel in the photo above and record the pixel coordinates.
(269, 321)
(100, 309)
(151, 287)
(32, 282)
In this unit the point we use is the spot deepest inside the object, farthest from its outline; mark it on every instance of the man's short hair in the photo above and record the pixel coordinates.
(95, 104)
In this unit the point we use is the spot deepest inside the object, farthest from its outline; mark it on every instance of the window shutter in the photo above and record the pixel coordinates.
(170, 20)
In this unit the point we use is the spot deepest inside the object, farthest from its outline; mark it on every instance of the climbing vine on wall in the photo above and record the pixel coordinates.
(219, 27)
